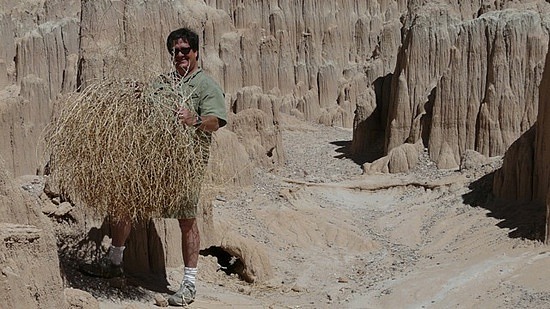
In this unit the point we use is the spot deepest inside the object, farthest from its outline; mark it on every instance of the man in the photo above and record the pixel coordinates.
(209, 115)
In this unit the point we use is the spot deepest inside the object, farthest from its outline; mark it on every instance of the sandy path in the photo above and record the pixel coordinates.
(335, 241)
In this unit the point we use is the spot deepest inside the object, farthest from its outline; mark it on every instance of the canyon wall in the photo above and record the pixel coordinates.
(541, 175)
(38, 61)
(448, 73)
(447, 76)
(525, 173)
(466, 84)
(29, 266)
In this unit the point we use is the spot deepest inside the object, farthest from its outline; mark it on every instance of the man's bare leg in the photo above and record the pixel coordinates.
(111, 265)
(190, 242)
(120, 230)
(190, 246)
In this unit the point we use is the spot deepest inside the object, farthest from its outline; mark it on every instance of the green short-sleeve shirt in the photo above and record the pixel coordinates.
(207, 98)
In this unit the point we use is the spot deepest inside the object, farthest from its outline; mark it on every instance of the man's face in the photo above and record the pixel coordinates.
(185, 59)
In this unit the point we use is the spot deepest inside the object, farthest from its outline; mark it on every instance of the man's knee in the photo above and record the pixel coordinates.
(187, 224)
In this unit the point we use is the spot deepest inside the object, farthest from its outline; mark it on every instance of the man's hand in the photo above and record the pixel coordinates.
(206, 123)
(187, 117)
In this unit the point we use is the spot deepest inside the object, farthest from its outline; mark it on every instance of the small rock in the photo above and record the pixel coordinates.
(49, 192)
(49, 208)
(160, 300)
(245, 290)
(343, 280)
(63, 209)
(80, 299)
(44, 197)
(8, 271)
(118, 283)
(297, 288)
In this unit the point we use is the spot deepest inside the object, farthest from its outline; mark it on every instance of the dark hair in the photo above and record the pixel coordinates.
(188, 35)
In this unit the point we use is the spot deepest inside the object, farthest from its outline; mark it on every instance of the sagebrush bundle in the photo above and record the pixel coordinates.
(118, 148)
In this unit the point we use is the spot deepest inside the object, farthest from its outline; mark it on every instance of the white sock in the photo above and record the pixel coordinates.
(116, 254)
(189, 275)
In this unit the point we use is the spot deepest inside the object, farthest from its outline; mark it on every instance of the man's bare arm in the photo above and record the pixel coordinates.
(207, 123)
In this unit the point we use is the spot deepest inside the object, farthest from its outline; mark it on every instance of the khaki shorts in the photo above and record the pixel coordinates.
(187, 210)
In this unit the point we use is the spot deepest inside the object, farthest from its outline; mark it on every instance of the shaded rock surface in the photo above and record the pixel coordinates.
(29, 266)
(525, 174)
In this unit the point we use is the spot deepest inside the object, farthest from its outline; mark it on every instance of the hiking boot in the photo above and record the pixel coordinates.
(184, 296)
(103, 269)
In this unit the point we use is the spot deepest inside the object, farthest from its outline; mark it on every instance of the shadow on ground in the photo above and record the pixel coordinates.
(132, 286)
(76, 250)
(524, 219)
(359, 159)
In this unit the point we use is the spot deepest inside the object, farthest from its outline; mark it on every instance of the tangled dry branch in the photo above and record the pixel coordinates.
(118, 148)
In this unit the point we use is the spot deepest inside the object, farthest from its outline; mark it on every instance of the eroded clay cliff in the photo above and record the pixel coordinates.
(38, 61)
(466, 84)
(525, 174)
(29, 266)
(450, 76)
(446, 73)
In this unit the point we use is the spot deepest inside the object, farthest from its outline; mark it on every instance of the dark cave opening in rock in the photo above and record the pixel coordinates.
(228, 263)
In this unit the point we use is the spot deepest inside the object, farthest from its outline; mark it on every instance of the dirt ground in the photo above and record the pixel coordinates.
(339, 239)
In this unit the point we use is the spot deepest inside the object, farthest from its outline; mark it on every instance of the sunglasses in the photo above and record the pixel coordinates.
(184, 50)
